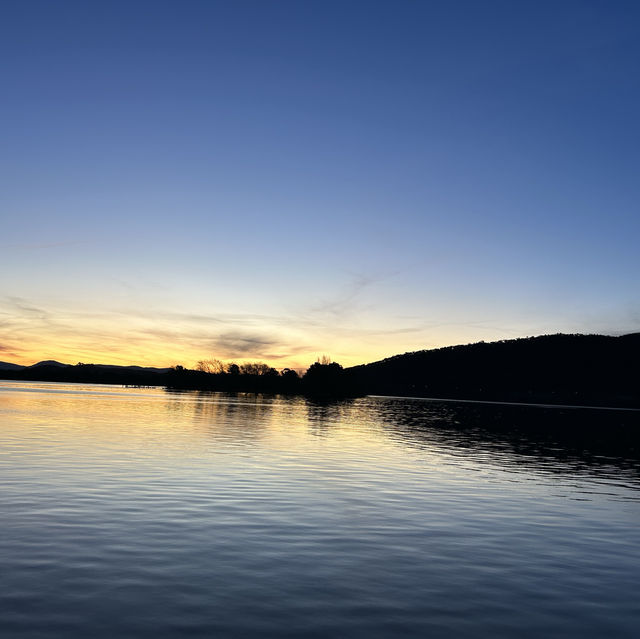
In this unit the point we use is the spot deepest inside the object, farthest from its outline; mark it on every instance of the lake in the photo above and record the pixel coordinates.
(145, 513)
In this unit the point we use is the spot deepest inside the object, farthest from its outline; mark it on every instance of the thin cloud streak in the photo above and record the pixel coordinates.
(25, 306)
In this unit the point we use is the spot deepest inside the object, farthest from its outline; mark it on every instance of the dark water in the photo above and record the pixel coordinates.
(143, 513)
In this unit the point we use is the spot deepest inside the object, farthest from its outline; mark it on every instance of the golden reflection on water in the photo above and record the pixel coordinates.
(89, 437)
(84, 428)
(103, 425)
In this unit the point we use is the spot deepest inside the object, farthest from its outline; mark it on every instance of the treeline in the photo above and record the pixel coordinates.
(323, 378)
(558, 369)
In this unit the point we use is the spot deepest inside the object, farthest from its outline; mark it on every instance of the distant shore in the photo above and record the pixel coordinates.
(555, 370)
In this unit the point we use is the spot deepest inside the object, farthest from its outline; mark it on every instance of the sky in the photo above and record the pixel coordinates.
(278, 180)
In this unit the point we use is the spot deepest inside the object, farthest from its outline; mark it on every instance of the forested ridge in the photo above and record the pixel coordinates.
(561, 368)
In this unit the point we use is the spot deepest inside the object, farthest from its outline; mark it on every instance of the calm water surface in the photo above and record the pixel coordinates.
(141, 512)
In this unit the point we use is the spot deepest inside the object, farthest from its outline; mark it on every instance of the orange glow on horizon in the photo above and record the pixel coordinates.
(163, 356)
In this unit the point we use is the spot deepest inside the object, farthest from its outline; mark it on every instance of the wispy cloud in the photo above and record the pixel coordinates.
(8, 350)
(25, 306)
(344, 302)
(238, 344)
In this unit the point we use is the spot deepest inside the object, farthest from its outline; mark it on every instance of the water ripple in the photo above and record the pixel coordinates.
(135, 513)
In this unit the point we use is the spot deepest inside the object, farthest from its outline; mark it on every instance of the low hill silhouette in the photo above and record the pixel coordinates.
(53, 371)
(8, 366)
(596, 370)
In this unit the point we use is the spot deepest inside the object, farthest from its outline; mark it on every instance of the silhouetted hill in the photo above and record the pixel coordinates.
(8, 366)
(48, 362)
(561, 369)
(53, 371)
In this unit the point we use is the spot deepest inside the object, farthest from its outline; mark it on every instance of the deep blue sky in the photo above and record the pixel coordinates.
(276, 180)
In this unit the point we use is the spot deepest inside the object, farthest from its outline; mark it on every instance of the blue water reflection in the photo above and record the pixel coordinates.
(138, 512)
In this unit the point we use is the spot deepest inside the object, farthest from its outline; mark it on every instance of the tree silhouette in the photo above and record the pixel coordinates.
(210, 366)
(324, 379)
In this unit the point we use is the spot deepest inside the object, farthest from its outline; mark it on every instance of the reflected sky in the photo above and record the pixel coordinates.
(158, 514)
(154, 424)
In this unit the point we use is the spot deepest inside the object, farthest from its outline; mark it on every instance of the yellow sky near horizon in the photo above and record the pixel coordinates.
(33, 332)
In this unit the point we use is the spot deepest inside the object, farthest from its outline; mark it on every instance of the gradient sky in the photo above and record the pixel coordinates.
(277, 180)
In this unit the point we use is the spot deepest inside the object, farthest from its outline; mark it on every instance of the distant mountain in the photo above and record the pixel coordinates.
(53, 371)
(7, 366)
(568, 369)
(55, 364)
(48, 362)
